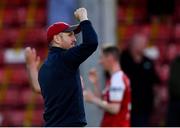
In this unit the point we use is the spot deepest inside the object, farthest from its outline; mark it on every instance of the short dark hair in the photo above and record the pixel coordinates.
(114, 51)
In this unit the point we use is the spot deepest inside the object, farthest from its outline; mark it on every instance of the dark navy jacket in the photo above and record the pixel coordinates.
(60, 83)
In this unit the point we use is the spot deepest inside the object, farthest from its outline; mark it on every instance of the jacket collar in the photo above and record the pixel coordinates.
(58, 49)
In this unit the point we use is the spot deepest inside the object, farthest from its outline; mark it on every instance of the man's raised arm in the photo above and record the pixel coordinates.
(76, 55)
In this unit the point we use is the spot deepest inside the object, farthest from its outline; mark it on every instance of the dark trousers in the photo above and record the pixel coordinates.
(140, 119)
(173, 115)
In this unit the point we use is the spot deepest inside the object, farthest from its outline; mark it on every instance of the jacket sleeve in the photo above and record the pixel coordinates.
(78, 54)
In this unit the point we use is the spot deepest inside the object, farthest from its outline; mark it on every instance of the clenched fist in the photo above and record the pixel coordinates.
(81, 14)
(89, 96)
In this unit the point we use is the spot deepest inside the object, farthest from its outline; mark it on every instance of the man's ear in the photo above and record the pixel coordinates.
(56, 38)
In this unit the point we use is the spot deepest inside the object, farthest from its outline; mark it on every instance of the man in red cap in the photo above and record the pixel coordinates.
(58, 79)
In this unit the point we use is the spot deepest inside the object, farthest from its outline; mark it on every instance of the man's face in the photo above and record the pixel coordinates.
(140, 43)
(105, 61)
(68, 40)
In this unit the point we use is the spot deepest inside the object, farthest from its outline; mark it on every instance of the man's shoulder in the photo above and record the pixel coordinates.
(117, 79)
(145, 58)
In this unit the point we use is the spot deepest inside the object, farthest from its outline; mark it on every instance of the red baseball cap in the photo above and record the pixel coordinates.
(58, 27)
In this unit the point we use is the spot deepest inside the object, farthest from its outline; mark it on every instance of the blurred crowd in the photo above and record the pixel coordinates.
(155, 84)
(148, 39)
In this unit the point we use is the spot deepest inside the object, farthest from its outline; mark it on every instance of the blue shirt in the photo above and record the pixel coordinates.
(60, 82)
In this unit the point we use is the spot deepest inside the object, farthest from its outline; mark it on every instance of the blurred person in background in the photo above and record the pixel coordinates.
(141, 72)
(161, 91)
(161, 96)
(173, 116)
(58, 79)
(115, 99)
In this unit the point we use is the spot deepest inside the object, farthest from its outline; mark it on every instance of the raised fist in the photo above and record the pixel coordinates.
(81, 14)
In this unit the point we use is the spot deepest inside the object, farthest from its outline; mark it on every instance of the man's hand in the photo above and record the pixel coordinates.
(32, 64)
(93, 77)
(32, 60)
(89, 96)
(112, 108)
(81, 14)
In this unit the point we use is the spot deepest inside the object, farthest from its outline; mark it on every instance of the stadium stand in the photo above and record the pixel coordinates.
(22, 23)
